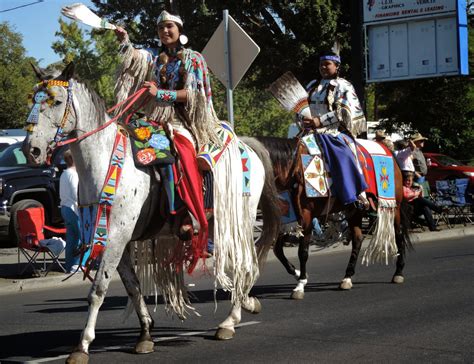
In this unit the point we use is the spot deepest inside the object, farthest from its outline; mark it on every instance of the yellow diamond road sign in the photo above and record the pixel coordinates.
(243, 51)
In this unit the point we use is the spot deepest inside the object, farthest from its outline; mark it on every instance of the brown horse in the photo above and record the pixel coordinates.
(285, 155)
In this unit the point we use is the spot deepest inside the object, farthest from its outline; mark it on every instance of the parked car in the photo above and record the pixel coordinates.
(23, 186)
(441, 167)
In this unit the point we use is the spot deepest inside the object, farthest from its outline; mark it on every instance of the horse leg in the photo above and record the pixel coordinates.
(132, 285)
(108, 265)
(399, 238)
(298, 292)
(357, 237)
(278, 250)
(226, 329)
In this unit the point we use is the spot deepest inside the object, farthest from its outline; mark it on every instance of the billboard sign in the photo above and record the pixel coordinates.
(381, 10)
(408, 39)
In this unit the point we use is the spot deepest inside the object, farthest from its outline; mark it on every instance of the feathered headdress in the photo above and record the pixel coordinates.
(291, 95)
(81, 13)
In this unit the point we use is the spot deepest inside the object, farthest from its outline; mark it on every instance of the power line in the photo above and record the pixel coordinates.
(21, 6)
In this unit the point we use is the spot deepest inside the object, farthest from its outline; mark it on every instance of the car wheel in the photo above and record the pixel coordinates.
(20, 205)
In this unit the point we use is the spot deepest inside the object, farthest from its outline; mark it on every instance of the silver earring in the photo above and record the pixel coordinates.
(183, 39)
(158, 42)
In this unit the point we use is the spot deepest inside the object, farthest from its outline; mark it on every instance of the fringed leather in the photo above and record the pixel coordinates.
(236, 267)
(382, 245)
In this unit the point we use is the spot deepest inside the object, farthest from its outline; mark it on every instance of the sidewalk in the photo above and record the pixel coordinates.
(10, 282)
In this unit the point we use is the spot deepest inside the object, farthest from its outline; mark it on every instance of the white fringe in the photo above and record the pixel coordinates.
(382, 245)
(156, 271)
(236, 267)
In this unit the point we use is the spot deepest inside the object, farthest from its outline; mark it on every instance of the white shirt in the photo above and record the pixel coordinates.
(405, 159)
(327, 100)
(68, 189)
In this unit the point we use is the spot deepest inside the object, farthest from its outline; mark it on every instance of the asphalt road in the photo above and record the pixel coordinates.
(428, 319)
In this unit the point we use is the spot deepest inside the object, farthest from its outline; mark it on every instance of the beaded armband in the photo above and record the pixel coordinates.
(166, 96)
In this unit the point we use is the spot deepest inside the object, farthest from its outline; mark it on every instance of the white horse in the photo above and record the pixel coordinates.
(134, 207)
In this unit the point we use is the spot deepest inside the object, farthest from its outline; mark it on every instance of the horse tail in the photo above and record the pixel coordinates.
(269, 202)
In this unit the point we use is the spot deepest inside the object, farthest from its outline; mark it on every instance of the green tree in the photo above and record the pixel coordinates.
(290, 35)
(94, 53)
(16, 78)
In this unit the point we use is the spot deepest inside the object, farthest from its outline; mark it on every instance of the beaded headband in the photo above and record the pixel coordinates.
(330, 58)
(165, 16)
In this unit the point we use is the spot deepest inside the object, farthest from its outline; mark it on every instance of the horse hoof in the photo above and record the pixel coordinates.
(224, 334)
(144, 347)
(257, 306)
(297, 295)
(346, 284)
(78, 357)
(398, 279)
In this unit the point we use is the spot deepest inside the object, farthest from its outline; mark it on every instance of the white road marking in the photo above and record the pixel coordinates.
(110, 348)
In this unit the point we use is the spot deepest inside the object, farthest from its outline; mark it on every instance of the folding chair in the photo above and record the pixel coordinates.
(461, 204)
(31, 232)
(444, 197)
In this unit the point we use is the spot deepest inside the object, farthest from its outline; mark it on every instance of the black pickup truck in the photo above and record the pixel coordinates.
(23, 186)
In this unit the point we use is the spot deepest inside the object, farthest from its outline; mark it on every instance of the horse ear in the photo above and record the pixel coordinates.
(68, 72)
(38, 71)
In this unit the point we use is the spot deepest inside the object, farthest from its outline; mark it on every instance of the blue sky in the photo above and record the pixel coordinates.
(37, 23)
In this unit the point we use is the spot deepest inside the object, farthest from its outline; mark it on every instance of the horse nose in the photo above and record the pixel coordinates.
(35, 152)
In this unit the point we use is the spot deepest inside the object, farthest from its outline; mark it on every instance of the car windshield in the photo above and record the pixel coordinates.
(12, 156)
(448, 161)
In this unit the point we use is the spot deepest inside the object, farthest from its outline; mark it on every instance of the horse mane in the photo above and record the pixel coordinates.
(96, 101)
(282, 151)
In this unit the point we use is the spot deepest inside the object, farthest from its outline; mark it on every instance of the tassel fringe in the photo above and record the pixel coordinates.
(382, 245)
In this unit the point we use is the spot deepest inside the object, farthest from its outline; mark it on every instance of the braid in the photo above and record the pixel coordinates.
(164, 61)
(182, 70)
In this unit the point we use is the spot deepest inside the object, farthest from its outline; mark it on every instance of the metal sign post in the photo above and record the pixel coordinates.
(227, 55)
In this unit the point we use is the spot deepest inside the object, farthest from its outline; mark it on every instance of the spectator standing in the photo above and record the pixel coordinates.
(68, 185)
(419, 161)
(404, 155)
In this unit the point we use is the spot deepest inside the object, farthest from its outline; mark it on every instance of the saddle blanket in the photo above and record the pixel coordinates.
(210, 153)
(316, 174)
(377, 162)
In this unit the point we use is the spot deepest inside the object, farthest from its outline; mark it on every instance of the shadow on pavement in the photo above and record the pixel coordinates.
(61, 342)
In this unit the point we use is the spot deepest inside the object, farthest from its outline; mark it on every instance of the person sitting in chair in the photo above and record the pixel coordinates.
(413, 194)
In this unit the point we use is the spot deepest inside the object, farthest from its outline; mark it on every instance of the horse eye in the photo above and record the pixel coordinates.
(57, 103)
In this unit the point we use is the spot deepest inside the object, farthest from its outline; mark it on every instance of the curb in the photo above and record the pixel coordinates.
(34, 284)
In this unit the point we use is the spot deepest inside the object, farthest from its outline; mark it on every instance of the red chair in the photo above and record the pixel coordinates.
(31, 229)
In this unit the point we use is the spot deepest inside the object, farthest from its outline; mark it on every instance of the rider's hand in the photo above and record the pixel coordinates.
(151, 87)
(121, 34)
(311, 123)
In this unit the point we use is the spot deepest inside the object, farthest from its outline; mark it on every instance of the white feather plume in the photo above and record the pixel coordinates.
(336, 48)
(291, 95)
(80, 12)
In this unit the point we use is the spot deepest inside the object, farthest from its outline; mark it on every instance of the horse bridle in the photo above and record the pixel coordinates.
(59, 138)
(43, 90)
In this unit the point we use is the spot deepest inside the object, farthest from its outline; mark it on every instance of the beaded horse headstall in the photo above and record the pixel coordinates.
(43, 95)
